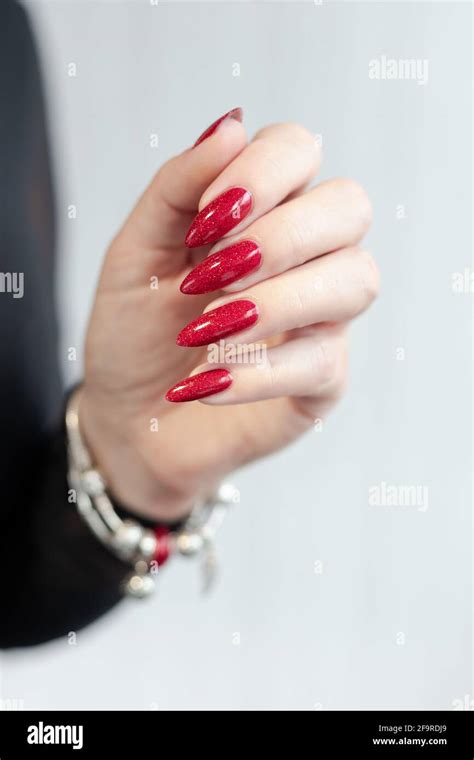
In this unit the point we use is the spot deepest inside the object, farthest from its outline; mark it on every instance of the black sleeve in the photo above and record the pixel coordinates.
(55, 576)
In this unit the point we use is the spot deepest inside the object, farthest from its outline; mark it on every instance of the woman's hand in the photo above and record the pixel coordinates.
(290, 269)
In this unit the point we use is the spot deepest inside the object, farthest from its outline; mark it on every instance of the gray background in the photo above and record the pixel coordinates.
(324, 601)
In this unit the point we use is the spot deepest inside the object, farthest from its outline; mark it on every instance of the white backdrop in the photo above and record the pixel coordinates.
(325, 600)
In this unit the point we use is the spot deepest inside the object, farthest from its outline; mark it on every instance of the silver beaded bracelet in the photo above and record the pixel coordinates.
(130, 541)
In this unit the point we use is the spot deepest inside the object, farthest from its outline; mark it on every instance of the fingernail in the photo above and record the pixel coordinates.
(218, 323)
(199, 386)
(222, 268)
(219, 216)
(236, 114)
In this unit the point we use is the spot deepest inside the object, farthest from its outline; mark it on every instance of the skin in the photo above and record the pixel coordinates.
(313, 280)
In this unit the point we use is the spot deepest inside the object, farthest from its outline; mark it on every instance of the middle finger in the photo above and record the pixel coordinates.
(333, 215)
(335, 287)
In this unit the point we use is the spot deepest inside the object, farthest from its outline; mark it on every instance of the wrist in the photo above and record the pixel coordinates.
(129, 479)
(144, 548)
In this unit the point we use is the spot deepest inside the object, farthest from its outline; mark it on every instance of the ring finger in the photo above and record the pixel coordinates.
(311, 365)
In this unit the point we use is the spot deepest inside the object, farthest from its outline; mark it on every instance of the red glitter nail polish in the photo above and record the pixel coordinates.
(236, 114)
(218, 323)
(222, 268)
(199, 386)
(219, 216)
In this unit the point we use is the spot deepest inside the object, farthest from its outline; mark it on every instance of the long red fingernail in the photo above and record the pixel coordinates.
(235, 113)
(199, 386)
(222, 268)
(218, 323)
(219, 216)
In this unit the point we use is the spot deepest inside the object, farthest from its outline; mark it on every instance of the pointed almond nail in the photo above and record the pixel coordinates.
(219, 217)
(222, 268)
(235, 113)
(218, 323)
(200, 385)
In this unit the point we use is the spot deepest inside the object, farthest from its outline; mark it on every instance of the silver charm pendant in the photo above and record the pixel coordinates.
(209, 567)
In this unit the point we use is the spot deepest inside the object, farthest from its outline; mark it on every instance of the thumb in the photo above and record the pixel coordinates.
(162, 215)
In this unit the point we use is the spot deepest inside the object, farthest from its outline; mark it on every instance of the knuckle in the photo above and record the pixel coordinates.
(304, 141)
(325, 362)
(264, 132)
(369, 274)
(273, 166)
(294, 136)
(287, 130)
(296, 237)
(339, 386)
(359, 200)
(297, 133)
(333, 357)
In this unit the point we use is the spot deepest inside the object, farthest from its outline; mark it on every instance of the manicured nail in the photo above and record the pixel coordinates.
(236, 114)
(219, 216)
(199, 386)
(218, 323)
(222, 268)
